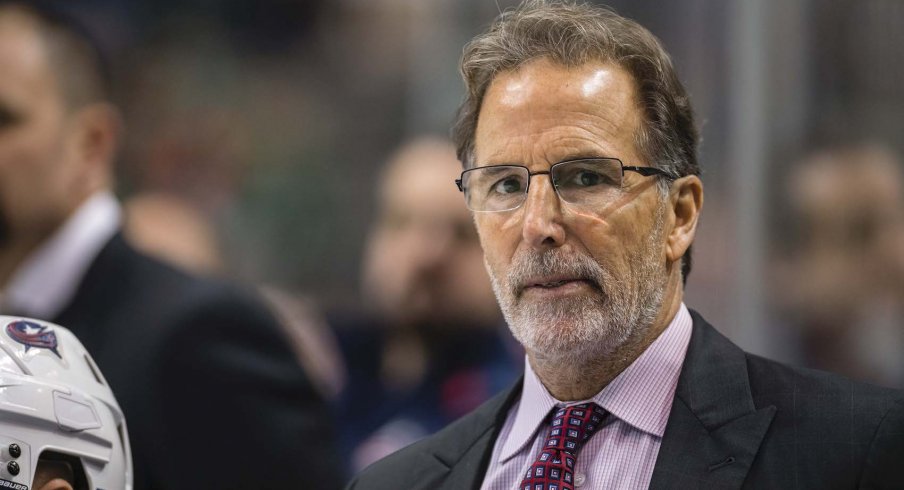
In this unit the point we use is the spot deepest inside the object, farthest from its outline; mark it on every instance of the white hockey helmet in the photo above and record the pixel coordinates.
(54, 402)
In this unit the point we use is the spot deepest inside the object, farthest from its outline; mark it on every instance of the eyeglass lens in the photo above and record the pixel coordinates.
(591, 182)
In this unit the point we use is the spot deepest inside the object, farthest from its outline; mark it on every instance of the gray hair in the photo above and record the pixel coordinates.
(572, 34)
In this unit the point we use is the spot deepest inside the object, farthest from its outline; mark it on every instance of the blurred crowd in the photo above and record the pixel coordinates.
(298, 148)
(839, 280)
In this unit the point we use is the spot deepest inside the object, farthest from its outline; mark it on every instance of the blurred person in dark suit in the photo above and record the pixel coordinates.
(173, 230)
(841, 284)
(212, 392)
(580, 154)
(432, 346)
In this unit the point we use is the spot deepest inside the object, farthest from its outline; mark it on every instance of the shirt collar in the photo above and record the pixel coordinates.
(640, 396)
(47, 280)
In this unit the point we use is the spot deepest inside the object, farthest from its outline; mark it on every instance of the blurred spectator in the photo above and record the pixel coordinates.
(220, 181)
(433, 345)
(423, 259)
(172, 230)
(842, 283)
(196, 365)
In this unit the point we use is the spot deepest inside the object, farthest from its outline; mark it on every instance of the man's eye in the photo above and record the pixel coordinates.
(587, 178)
(507, 186)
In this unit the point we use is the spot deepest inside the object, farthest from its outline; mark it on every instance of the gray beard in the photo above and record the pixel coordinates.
(582, 328)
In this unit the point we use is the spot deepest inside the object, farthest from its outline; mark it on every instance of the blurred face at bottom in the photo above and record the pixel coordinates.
(423, 262)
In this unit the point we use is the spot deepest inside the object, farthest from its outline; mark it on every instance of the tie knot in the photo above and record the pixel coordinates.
(572, 426)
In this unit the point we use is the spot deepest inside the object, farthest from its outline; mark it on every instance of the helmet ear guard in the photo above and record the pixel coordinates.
(56, 406)
(16, 463)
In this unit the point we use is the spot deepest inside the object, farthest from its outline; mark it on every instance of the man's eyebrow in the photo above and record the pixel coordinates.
(567, 158)
(498, 169)
(581, 156)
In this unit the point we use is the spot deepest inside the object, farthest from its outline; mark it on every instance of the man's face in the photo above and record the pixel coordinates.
(36, 174)
(572, 282)
(424, 260)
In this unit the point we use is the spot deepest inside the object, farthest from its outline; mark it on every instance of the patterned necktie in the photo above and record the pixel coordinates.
(570, 429)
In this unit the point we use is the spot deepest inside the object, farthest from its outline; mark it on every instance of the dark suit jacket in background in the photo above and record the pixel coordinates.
(737, 421)
(213, 396)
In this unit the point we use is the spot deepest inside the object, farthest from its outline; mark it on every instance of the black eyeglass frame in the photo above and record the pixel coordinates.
(645, 171)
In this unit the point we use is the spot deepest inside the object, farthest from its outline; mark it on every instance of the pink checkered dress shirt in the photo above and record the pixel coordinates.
(622, 453)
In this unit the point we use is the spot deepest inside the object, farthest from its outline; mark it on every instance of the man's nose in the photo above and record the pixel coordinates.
(543, 227)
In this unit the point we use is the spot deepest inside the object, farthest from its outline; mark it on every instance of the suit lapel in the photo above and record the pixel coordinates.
(102, 283)
(714, 429)
(460, 456)
(468, 472)
(106, 283)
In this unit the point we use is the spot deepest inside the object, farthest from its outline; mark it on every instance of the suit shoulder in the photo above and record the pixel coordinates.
(410, 465)
(768, 376)
(843, 430)
(168, 307)
(183, 286)
(812, 400)
(181, 293)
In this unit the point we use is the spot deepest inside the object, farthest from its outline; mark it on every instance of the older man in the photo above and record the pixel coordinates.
(580, 154)
(213, 395)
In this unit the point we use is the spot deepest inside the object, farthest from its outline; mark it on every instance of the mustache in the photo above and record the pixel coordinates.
(554, 262)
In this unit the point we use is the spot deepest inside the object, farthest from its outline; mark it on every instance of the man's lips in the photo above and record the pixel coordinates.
(556, 282)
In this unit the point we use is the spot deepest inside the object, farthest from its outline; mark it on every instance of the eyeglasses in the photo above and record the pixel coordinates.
(588, 182)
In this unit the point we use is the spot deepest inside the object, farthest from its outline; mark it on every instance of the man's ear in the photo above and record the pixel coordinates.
(55, 484)
(686, 201)
(97, 140)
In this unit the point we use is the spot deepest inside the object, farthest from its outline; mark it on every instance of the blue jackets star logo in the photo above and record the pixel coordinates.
(31, 334)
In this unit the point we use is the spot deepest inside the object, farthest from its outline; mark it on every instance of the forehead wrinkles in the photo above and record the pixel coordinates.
(541, 105)
(542, 83)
